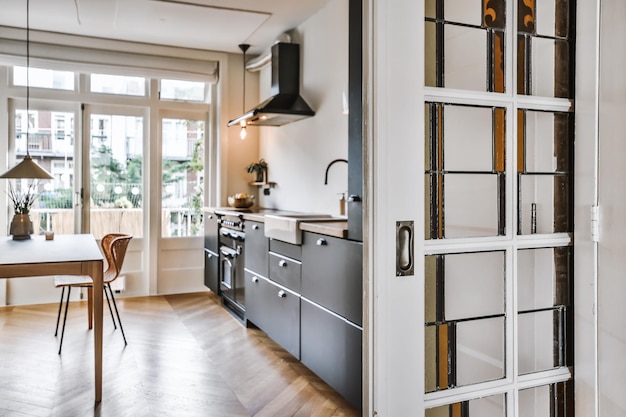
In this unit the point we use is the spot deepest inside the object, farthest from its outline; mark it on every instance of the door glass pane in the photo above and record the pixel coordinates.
(464, 44)
(491, 406)
(182, 194)
(465, 166)
(541, 341)
(554, 400)
(116, 169)
(51, 145)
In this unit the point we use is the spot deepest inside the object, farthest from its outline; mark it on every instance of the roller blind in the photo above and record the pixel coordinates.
(94, 60)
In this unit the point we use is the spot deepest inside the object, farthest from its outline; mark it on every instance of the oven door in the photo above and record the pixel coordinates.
(228, 260)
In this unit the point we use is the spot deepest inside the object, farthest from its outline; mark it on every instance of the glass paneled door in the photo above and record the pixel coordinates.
(115, 190)
(48, 132)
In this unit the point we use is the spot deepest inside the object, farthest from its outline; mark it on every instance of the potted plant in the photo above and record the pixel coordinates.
(21, 225)
(259, 169)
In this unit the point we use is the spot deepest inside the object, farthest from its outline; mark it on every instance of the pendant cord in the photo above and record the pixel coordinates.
(27, 76)
(243, 100)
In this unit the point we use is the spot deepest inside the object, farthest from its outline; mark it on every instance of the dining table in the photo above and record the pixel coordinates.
(71, 254)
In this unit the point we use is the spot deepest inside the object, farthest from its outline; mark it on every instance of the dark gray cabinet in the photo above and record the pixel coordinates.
(332, 271)
(331, 347)
(257, 247)
(285, 271)
(211, 270)
(210, 232)
(275, 310)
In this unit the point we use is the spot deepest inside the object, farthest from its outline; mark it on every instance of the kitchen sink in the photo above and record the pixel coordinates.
(286, 227)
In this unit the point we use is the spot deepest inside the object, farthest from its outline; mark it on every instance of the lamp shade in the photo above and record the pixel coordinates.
(27, 169)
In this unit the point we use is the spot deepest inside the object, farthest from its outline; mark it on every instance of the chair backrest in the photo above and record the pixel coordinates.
(114, 248)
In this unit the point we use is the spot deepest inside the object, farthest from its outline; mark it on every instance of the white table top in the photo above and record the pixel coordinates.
(63, 248)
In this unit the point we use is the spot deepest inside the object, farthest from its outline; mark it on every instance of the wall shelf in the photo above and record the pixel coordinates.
(264, 184)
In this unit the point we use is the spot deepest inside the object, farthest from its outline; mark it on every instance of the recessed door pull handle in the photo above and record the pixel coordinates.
(404, 248)
(282, 294)
(283, 263)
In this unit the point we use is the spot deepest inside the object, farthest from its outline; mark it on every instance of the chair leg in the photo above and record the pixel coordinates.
(116, 312)
(109, 303)
(67, 304)
(59, 313)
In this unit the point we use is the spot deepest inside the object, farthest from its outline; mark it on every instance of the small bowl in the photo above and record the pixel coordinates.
(241, 202)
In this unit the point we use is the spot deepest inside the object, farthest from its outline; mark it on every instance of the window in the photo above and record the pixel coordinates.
(44, 78)
(182, 90)
(117, 84)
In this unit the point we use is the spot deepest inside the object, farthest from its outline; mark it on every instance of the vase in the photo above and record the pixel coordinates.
(21, 227)
(260, 176)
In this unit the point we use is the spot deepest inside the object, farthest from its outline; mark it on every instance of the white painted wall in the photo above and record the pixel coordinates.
(298, 153)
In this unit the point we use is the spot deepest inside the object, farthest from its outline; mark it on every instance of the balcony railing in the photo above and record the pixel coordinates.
(175, 222)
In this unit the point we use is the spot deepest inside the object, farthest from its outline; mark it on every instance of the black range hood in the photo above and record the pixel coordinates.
(286, 105)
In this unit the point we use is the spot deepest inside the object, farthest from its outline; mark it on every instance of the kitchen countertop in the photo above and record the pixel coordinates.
(329, 228)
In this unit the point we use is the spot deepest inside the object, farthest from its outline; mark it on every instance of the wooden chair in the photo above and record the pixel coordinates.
(114, 247)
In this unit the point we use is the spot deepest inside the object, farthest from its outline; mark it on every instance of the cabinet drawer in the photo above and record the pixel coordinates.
(257, 246)
(285, 271)
(331, 347)
(275, 310)
(332, 274)
(286, 249)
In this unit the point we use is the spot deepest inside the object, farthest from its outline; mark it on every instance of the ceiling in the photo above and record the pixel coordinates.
(218, 25)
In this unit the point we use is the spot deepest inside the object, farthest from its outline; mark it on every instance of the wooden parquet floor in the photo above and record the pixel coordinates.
(186, 357)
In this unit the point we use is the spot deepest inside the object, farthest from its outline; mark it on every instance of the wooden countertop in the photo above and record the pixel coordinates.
(336, 228)
(329, 228)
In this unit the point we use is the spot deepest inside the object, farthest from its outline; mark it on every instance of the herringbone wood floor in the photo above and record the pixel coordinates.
(186, 356)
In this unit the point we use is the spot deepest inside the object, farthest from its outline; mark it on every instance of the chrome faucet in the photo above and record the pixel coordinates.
(331, 164)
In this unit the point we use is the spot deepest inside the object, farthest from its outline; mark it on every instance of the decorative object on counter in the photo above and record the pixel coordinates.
(259, 169)
(241, 200)
(21, 226)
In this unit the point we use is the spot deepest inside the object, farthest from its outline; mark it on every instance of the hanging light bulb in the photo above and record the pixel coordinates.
(242, 133)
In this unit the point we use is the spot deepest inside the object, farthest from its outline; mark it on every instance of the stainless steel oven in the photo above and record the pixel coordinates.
(232, 240)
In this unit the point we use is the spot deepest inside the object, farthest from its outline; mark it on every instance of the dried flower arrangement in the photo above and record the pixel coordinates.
(23, 201)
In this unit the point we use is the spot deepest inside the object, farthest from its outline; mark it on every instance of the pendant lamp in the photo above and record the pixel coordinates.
(244, 47)
(27, 168)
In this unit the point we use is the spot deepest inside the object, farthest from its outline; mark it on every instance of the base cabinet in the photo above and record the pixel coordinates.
(275, 310)
(211, 270)
(331, 347)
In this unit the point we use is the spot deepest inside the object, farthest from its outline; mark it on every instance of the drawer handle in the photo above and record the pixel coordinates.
(255, 279)
(282, 263)
(321, 242)
(255, 227)
(282, 294)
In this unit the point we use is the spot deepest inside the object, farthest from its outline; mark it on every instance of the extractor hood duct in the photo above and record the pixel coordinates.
(286, 105)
